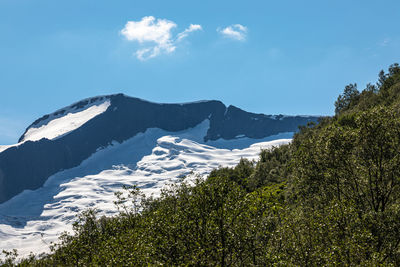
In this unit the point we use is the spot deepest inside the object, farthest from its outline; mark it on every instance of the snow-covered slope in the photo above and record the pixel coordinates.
(66, 120)
(63, 121)
(64, 139)
(80, 155)
(32, 219)
(4, 147)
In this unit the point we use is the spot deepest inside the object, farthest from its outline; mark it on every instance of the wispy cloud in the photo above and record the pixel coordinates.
(155, 36)
(237, 32)
(385, 42)
(185, 33)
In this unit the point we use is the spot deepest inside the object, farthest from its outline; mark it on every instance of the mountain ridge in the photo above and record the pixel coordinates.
(28, 165)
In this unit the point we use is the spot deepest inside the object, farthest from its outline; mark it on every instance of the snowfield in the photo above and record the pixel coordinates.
(4, 147)
(33, 219)
(56, 126)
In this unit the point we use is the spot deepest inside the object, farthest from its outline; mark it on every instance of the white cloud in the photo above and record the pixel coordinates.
(155, 35)
(185, 33)
(236, 32)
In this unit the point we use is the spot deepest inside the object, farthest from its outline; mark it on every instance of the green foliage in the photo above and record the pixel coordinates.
(331, 197)
(215, 222)
(272, 167)
(9, 257)
(385, 92)
(239, 174)
(345, 100)
(346, 177)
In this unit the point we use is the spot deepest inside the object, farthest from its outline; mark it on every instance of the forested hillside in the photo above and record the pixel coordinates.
(331, 197)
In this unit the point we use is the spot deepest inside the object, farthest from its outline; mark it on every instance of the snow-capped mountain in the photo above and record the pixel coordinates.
(78, 156)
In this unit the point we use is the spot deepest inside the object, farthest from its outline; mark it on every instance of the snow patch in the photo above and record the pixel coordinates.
(151, 160)
(56, 127)
(244, 142)
(4, 147)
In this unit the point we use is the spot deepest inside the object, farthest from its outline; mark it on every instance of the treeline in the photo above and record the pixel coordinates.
(331, 197)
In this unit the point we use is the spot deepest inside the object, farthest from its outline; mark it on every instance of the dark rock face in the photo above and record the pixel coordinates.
(28, 165)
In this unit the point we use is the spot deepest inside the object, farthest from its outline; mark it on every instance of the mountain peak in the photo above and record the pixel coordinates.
(63, 139)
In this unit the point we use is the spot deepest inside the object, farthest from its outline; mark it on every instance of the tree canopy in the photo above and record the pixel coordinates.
(331, 197)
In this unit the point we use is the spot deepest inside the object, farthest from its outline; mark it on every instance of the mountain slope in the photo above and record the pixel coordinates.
(34, 218)
(61, 141)
(330, 197)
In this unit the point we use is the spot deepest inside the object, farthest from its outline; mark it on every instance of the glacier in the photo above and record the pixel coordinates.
(31, 220)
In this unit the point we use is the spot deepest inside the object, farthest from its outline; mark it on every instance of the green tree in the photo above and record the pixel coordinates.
(345, 100)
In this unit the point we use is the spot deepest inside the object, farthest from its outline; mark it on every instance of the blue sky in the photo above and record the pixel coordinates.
(288, 57)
